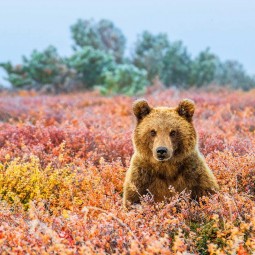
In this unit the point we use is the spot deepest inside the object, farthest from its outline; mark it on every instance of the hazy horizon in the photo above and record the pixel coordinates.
(226, 27)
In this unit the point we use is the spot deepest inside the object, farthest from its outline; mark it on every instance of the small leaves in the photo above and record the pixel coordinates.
(63, 163)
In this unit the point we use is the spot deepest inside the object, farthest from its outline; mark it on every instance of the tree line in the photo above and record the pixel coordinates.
(99, 60)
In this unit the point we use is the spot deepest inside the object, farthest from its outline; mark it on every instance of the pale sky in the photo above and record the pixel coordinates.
(226, 26)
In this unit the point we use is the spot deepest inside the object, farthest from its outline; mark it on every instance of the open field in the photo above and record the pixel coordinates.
(63, 162)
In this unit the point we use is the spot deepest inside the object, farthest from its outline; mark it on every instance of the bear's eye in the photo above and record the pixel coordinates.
(153, 133)
(173, 133)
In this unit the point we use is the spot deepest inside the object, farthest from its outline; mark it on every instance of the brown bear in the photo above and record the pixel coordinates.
(166, 155)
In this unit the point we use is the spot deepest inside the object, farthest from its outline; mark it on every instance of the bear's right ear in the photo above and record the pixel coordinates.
(141, 108)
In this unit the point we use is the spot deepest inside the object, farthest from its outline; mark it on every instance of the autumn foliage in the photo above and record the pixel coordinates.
(63, 161)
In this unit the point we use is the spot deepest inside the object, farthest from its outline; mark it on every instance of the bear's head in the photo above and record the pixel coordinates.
(162, 133)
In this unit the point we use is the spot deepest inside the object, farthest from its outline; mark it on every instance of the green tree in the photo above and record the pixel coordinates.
(41, 68)
(232, 73)
(45, 67)
(90, 64)
(203, 68)
(176, 65)
(102, 35)
(16, 75)
(149, 51)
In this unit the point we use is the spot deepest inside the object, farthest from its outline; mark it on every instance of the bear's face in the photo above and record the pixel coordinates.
(164, 133)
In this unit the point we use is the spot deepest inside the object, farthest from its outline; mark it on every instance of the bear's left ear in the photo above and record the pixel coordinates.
(141, 108)
(186, 109)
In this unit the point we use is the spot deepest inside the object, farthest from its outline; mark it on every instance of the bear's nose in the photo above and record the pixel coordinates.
(161, 151)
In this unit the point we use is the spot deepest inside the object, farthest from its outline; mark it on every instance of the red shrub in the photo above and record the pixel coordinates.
(64, 160)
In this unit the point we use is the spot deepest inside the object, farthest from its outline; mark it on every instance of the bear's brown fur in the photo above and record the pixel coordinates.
(166, 154)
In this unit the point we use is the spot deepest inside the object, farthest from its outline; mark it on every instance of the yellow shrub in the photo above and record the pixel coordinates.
(25, 180)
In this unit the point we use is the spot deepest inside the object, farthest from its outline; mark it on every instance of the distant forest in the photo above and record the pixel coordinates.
(99, 60)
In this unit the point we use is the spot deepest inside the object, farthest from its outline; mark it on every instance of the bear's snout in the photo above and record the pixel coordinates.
(162, 153)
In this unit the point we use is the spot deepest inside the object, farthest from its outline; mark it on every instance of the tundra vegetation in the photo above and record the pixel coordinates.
(63, 162)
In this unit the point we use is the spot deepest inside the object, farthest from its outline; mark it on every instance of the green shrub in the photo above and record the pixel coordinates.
(124, 79)
(39, 69)
(90, 64)
(102, 35)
